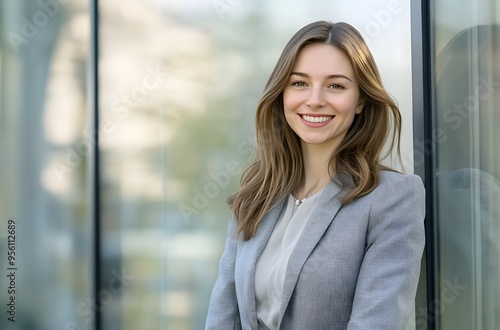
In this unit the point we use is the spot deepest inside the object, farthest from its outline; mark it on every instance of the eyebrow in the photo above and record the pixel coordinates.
(302, 74)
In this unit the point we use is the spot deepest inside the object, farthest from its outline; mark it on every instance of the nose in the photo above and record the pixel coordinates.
(316, 99)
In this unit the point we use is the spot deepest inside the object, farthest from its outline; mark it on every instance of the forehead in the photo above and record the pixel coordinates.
(323, 60)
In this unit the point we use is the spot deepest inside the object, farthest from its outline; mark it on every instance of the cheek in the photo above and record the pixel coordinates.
(347, 106)
(290, 101)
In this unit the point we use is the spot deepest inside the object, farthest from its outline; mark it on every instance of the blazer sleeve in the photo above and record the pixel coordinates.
(223, 308)
(388, 278)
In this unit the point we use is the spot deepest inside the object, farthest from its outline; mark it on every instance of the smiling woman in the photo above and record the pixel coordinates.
(321, 100)
(319, 239)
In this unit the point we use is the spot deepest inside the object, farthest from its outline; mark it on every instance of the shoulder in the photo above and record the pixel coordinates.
(398, 191)
(395, 190)
(389, 181)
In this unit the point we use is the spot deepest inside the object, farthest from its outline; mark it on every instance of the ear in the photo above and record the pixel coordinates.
(359, 108)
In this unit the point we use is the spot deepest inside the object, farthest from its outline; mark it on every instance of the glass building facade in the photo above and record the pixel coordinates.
(125, 126)
(466, 163)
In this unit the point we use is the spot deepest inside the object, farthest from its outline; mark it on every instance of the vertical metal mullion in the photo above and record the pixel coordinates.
(477, 252)
(422, 91)
(95, 172)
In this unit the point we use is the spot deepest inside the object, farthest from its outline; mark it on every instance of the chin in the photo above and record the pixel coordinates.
(313, 141)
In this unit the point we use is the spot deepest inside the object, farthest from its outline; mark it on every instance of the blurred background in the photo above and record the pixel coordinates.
(178, 84)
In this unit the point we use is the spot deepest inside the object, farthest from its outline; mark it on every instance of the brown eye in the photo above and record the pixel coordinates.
(336, 86)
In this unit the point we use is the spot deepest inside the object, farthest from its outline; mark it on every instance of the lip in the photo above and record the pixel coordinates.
(315, 125)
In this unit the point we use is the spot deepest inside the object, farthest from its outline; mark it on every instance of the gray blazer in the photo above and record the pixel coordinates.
(354, 266)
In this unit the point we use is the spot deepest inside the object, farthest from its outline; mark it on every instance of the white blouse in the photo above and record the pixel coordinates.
(271, 266)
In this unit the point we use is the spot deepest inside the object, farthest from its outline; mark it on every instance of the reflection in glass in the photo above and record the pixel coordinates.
(467, 117)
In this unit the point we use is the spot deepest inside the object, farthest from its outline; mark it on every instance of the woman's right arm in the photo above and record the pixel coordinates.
(223, 310)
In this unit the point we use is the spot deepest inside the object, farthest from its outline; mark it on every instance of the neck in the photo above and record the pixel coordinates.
(316, 174)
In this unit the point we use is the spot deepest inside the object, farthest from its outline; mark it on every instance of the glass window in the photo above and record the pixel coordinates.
(467, 163)
(179, 82)
(44, 189)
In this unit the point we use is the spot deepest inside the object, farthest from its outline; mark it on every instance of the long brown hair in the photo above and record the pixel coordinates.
(278, 170)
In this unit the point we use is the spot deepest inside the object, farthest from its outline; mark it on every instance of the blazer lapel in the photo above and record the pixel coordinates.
(325, 210)
(250, 252)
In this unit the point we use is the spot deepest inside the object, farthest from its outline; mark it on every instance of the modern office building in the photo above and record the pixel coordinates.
(125, 125)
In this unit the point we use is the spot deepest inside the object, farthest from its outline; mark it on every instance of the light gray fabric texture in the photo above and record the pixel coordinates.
(270, 269)
(354, 266)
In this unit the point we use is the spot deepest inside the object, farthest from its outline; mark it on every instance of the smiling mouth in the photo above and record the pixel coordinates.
(319, 119)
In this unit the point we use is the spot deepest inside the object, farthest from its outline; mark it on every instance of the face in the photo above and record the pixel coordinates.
(322, 96)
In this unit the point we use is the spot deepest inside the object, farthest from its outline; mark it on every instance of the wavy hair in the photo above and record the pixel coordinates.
(278, 170)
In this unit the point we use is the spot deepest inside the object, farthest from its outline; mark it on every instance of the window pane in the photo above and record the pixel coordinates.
(179, 84)
(44, 177)
(467, 97)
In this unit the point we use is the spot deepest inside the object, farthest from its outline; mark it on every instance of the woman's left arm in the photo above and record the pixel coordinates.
(388, 278)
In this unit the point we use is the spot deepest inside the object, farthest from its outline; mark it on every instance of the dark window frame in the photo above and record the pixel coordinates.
(94, 157)
(423, 146)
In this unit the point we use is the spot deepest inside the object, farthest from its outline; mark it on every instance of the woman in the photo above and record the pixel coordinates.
(323, 236)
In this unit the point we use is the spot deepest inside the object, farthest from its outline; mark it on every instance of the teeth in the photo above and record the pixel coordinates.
(312, 119)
